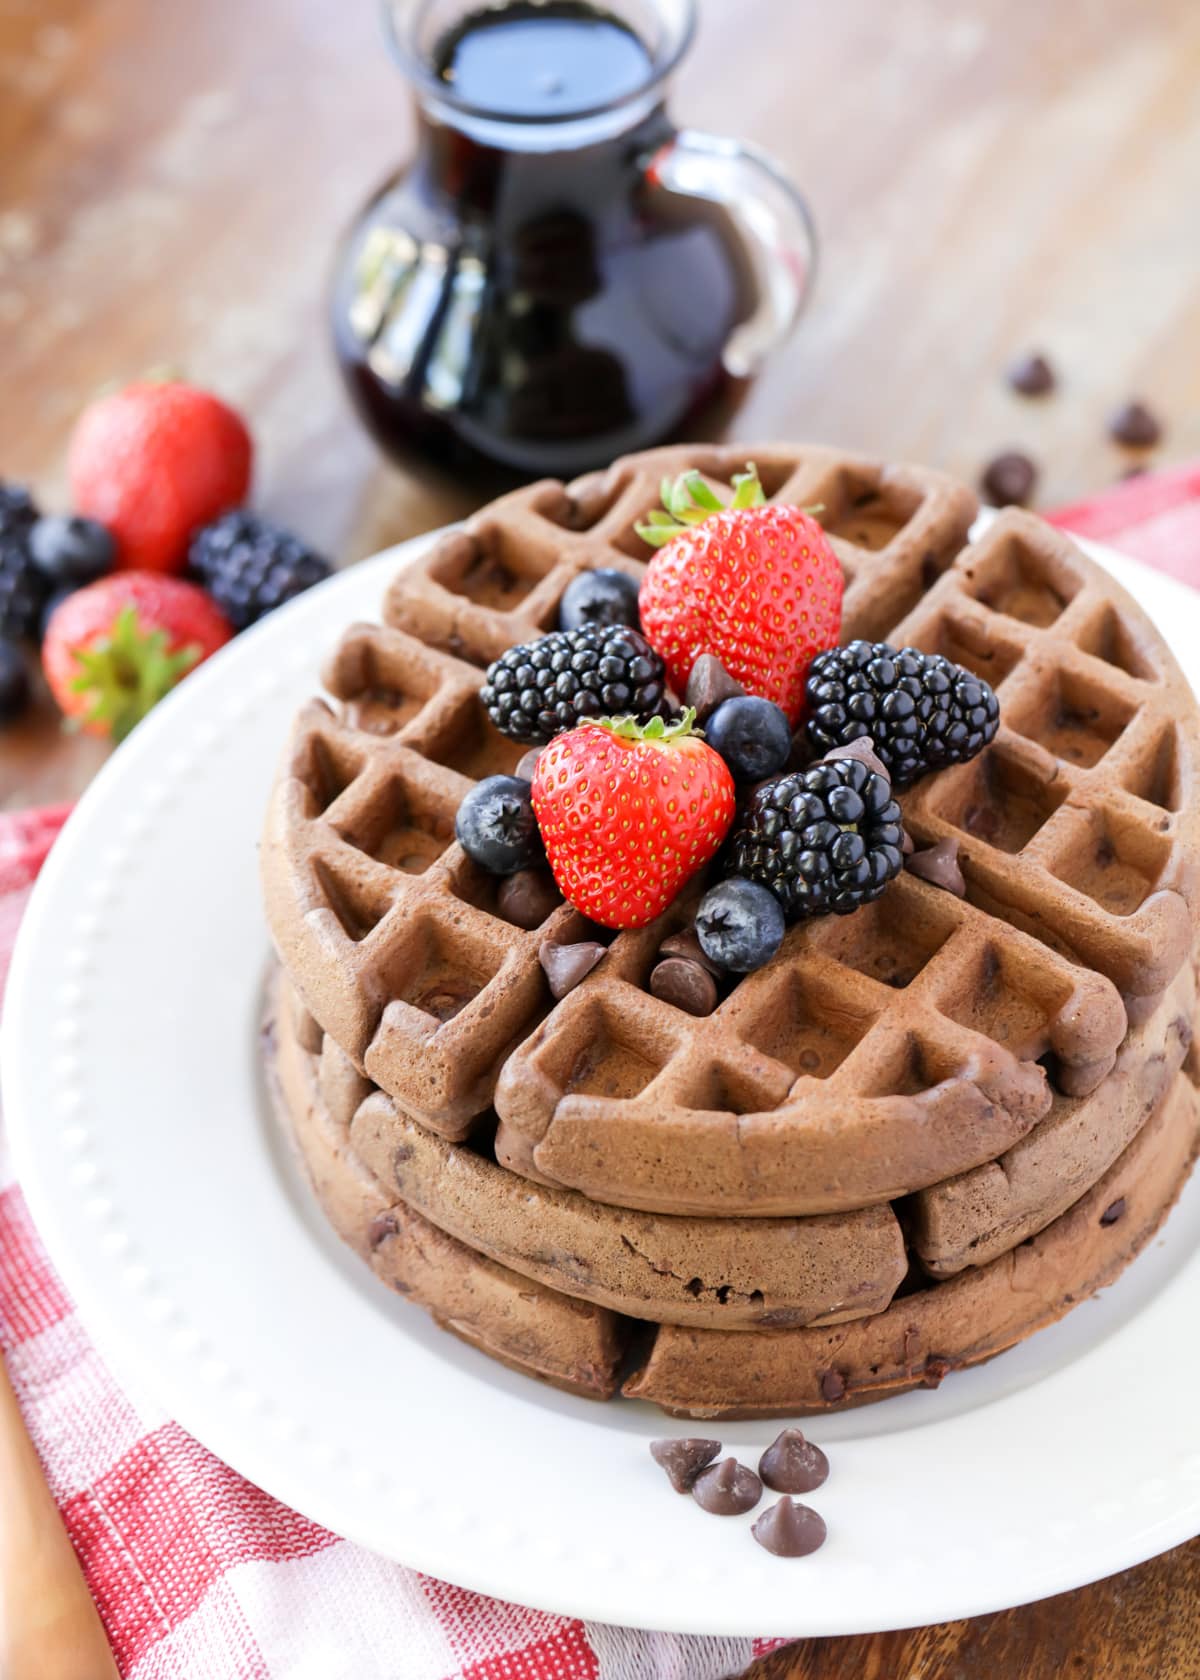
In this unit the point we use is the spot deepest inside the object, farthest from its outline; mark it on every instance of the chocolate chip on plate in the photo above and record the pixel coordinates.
(790, 1529)
(938, 864)
(727, 1489)
(833, 1386)
(709, 684)
(1008, 479)
(683, 1458)
(792, 1464)
(528, 897)
(1135, 426)
(685, 984)
(567, 965)
(1031, 375)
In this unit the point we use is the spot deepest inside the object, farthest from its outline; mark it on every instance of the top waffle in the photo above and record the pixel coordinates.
(880, 1053)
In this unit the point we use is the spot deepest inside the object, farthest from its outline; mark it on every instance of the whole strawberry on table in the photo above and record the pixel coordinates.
(772, 786)
(158, 564)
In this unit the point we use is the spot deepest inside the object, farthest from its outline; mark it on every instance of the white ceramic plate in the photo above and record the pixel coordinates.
(197, 1257)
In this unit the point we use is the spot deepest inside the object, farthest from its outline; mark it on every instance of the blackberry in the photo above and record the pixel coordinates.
(250, 566)
(823, 839)
(920, 710)
(23, 589)
(537, 690)
(18, 509)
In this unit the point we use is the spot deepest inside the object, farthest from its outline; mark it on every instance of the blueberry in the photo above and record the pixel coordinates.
(753, 737)
(71, 551)
(601, 597)
(739, 925)
(14, 682)
(496, 826)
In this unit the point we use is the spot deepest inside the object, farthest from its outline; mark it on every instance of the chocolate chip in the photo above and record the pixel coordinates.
(907, 844)
(527, 764)
(1031, 375)
(833, 1386)
(683, 1459)
(686, 985)
(1009, 479)
(1135, 426)
(380, 1229)
(792, 1464)
(709, 684)
(937, 1367)
(789, 1529)
(727, 1489)
(567, 965)
(686, 944)
(938, 864)
(864, 750)
(1113, 1212)
(528, 897)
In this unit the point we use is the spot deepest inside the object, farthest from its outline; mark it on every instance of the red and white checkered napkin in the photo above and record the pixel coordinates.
(198, 1574)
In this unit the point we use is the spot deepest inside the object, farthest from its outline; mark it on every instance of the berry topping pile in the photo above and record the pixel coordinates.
(824, 839)
(756, 584)
(535, 691)
(158, 472)
(920, 711)
(773, 787)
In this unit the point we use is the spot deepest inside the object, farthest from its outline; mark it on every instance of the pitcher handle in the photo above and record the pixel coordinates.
(773, 218)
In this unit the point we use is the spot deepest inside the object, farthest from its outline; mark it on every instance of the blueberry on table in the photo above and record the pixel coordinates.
(605, 596)
(740, 925)
(496, 826)
(71, 551)
(14, 682)
(753, 736)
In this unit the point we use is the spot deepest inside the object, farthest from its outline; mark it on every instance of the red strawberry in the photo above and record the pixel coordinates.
(628, 813)
(112, 650)
(153, 463)
(756, 584)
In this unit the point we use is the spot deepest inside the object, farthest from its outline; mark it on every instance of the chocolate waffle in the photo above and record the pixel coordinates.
(957, 1071)
(555, 1285)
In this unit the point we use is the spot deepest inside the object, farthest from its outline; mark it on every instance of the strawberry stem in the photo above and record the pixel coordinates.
(689, 500)
(657, 729)
(126, 673)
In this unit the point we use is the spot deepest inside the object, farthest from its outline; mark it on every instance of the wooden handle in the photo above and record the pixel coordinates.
(49, 1626)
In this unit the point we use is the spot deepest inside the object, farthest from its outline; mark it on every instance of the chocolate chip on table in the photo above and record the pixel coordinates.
(1031, 375)
(685, 984)
(1008, 479)
(1135, 426)
(709, 684)
(938, 864)
(567, 965)
(727, 1489)
(527, 764)
(792, 1464)
(684, 1458)
(1113, 1212)
(528, 897)
(864, 750)
(790, 1529)
(686, 944)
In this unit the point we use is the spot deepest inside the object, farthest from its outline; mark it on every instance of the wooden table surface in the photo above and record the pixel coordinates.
(986, 176)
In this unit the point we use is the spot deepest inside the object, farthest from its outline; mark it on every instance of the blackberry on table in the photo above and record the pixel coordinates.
(18, 510)
(825, 839)
(250, 566)
(537, 690)
(23, 589)
(920, 710)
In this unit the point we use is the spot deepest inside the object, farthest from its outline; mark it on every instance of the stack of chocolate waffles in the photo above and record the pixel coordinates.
(919, 1133)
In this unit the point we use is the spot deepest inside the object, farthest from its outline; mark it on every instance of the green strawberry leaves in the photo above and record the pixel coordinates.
(688, 500)
(126, 673)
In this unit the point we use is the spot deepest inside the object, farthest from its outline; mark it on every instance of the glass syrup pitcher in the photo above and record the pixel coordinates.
(560, 275)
